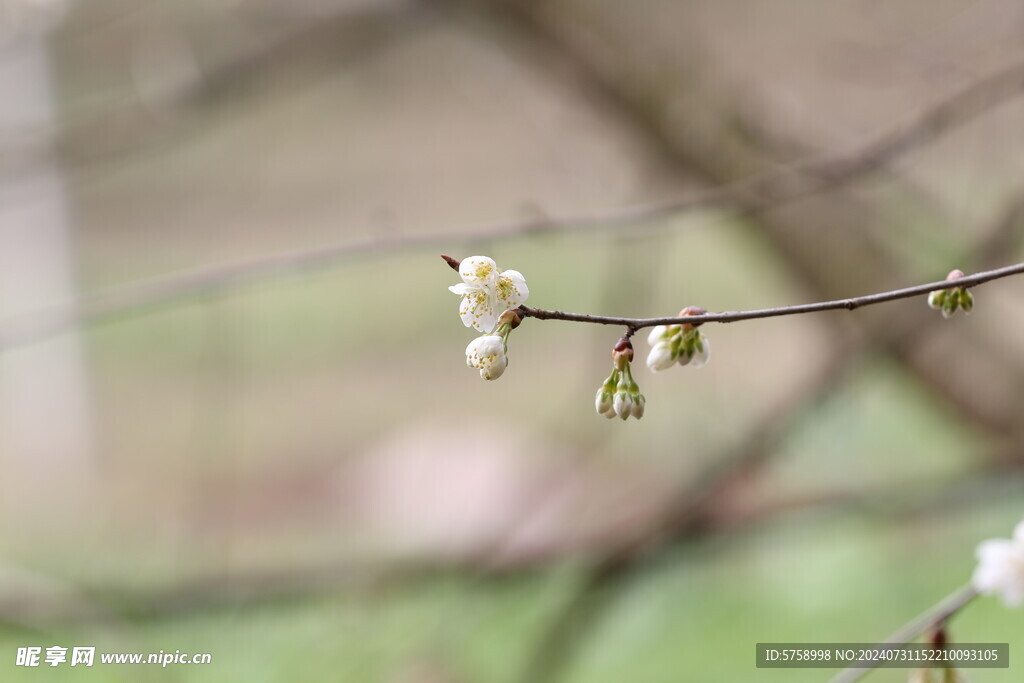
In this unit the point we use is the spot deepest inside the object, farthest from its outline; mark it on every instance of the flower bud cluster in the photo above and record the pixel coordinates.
(682, 344)
(949, 301)
(620, 395)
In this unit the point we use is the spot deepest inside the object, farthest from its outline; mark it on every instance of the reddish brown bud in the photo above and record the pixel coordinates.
(623, 347)
(688, 311)
(454, 263)
(512, 316)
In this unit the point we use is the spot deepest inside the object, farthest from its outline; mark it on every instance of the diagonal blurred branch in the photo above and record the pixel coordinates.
(931, 619)
(294, 48)
(614, 571)
(772, 187)
(247, 588)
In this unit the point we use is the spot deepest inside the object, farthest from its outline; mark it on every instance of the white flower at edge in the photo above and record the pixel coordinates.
(1001, 568)
(487, 354)
(486, 292)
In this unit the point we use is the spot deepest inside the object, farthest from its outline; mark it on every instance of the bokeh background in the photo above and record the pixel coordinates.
(234, 412)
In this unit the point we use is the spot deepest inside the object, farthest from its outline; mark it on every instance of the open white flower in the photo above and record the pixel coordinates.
(487, 354)
(486, 292)
(1001, 568)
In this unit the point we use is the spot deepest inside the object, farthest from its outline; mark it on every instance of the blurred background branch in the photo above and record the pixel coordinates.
(772, 187)
(930, 620)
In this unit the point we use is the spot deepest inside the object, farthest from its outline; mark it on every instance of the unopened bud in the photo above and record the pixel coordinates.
(638, 406)
(622, 353)
(952, 299)
(691, 310)
(512, 317)
(661, 357)
(966, 301)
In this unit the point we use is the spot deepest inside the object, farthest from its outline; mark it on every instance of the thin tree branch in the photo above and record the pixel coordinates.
(735, 316)
(932, 619)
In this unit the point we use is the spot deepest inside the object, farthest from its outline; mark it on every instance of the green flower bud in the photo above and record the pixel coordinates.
(966, 300)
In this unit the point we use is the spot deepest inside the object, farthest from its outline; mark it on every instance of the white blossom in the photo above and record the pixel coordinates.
(661, 357)
(661, 332)
(486, 292)
(487, 354)
(623, 404)
(638, 406)
(703, 353)
(681, 344)
(1001, 568)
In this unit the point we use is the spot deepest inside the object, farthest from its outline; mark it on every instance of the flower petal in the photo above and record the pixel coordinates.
(487, 354)
(655, 336)
(478, 270)
(703, 354)
(660, 358)
(638, 406)
(461, 289)
(1001, 569)
(512, 289)
(479, 310)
